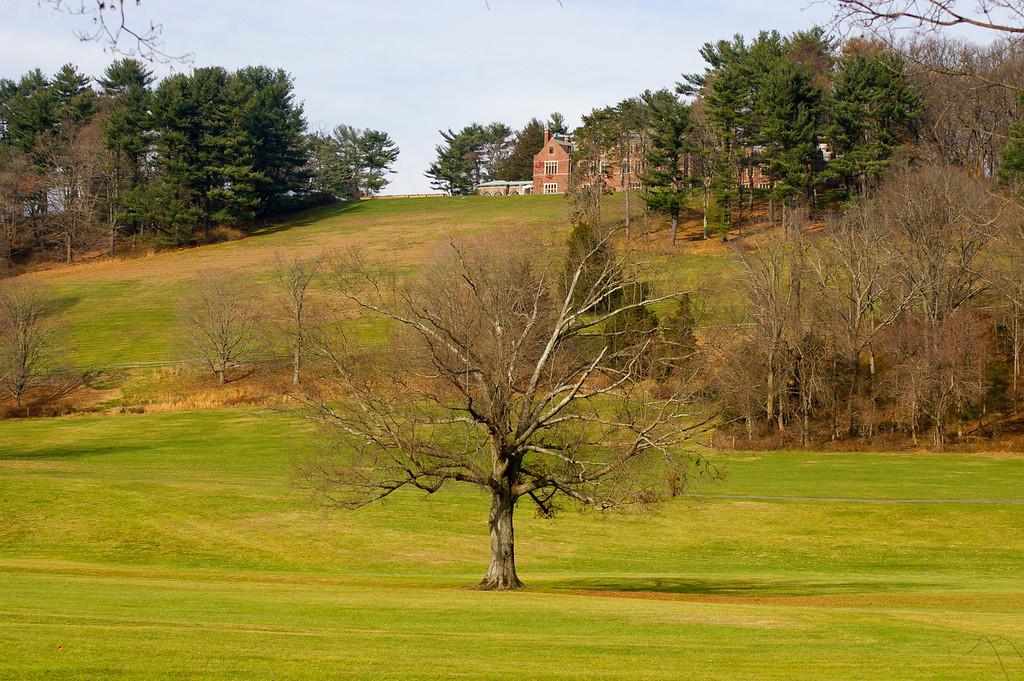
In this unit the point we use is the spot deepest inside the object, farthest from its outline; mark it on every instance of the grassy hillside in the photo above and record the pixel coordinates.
(175, 546)
(122, 311)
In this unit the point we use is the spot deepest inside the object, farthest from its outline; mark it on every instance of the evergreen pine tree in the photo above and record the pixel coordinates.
(460, 160)
(668, 144)
(871, 111)
(790, 106)
(528, 143)
(75, 98)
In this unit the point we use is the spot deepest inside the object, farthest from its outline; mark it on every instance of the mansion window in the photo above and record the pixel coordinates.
(550, 167)
(550, 188)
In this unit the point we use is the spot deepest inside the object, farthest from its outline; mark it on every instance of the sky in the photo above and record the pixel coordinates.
(414, 67)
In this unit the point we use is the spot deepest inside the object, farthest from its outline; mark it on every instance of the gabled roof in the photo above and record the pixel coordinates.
(564, 145)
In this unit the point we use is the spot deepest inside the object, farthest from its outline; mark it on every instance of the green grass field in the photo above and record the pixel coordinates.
(176, 546)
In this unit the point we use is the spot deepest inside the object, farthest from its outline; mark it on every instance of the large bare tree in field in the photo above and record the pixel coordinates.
(509, 368)
(220, 317)
(28, 339)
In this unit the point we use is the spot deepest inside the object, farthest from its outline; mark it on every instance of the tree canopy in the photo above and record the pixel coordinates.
(174, 158)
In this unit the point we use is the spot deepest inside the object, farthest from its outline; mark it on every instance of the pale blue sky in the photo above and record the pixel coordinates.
(411, 67)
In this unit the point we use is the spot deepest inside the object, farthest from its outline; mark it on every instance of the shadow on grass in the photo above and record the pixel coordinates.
(309, 217)
(65, 302)
(750, 587)
(64, 453)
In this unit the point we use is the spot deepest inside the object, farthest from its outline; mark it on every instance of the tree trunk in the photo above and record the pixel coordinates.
(705, 204)
(675, 227)
(296, 362)
(851, 404)
(739, 203)
(625, 186)
(501, 575)
(750, 197)
(6, 247)
(1016, 358)
(113, 237)
(805, 434)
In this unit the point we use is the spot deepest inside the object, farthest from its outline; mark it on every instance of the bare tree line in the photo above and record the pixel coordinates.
(902, 315)
(225, 321)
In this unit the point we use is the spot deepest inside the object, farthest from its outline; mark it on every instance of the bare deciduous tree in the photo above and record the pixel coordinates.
(852, 268)
(74, 159)
(999, 16)
(768, 285)
(220, 317)
(14, 188)
(971, 94)
(500, 374)
(939, 369)
(939, 220)
(293, 276)
(28, 339)
(109, 24)
(1007, 276)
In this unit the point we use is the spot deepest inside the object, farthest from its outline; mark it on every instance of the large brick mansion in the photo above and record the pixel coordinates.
(552, 172)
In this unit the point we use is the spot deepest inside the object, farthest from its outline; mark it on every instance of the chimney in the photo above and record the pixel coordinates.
(547, 134)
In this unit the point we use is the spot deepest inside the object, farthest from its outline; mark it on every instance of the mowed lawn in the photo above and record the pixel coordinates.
(176, 546)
